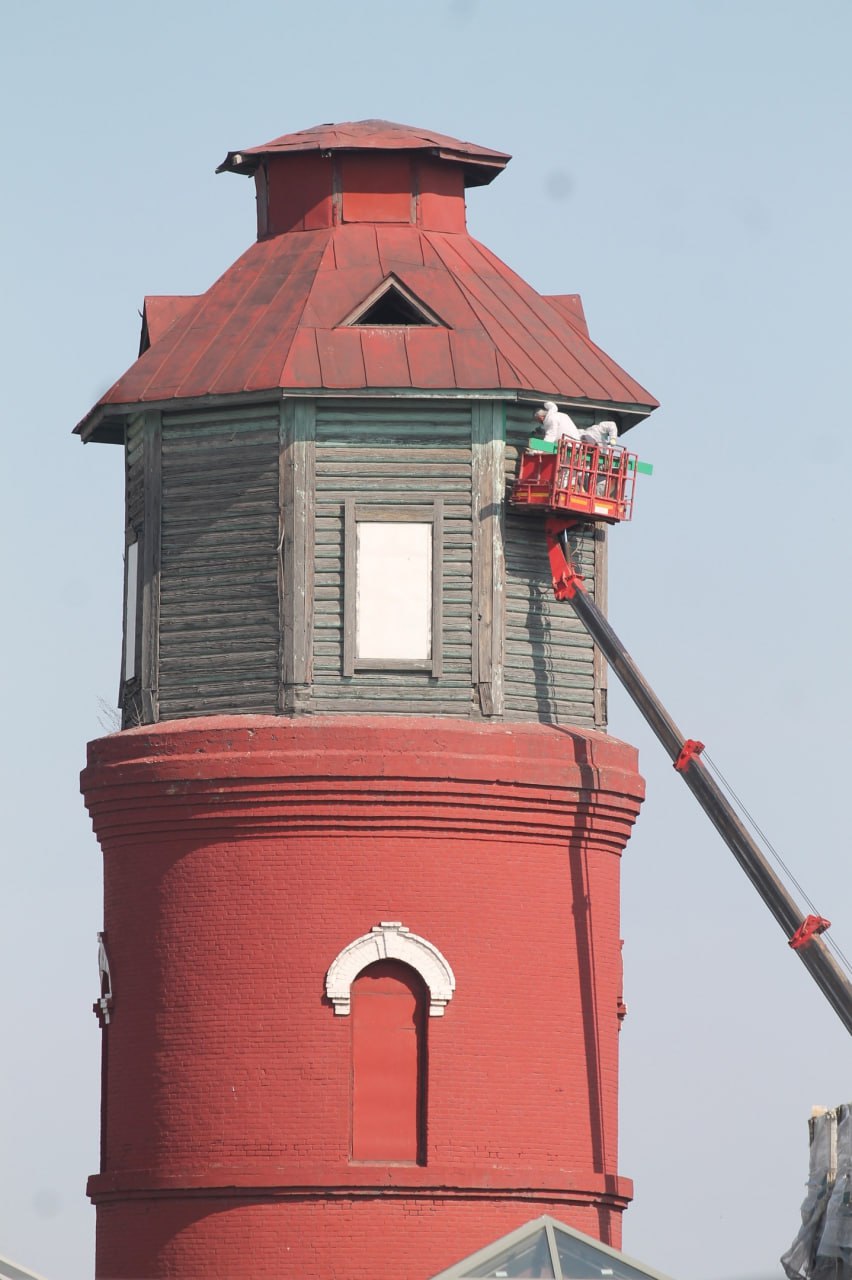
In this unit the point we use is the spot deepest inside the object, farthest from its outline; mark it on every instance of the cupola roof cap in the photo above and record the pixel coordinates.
(480, 164)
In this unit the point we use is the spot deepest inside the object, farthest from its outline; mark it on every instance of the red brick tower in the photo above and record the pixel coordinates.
(362, 829)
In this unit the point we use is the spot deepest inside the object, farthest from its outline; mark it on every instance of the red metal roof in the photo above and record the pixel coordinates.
(276, 318)
(570, 305)
(159, 313)
(273, 321)
(481, 164)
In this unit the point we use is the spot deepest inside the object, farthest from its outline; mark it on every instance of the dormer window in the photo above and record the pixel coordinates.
(392, 305)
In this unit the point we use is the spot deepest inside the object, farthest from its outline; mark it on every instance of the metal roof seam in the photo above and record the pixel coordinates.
(515, 371)
(160, 312)
(586, 344)
(251, 366)
(387, 260)
(576, 321)
(193, 369)
(525, 296)
(305, 301)
(206, 303)
(478, 305)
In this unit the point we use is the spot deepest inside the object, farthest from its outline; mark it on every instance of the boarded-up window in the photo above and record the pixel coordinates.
(393, 587)
(131, 593)
(376, 188)
(393, 597)
(388, 1064)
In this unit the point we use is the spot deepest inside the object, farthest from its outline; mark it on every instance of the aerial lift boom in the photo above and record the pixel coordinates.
(594, 478)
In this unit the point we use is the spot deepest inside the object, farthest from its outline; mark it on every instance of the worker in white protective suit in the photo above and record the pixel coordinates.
(603, 434)
(556, 424)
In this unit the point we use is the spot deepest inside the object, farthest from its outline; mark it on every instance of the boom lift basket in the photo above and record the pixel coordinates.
(568, 476)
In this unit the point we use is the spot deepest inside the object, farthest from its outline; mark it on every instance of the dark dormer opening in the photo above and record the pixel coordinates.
(392, 305)
(392, 308)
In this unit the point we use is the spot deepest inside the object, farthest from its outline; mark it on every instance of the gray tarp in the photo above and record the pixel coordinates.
(823, 1248)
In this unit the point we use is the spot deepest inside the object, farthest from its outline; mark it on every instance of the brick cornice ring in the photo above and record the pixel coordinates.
(259, 776)
(354, 1182)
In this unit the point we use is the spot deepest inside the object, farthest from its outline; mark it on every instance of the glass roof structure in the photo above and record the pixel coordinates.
(545, 1249)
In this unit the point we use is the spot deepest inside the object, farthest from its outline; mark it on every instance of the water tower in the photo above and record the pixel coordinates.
(361, 964)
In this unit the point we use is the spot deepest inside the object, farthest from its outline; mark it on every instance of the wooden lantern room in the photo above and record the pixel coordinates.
(318, 448)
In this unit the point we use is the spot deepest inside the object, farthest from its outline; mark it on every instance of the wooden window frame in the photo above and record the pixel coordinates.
(431, 512)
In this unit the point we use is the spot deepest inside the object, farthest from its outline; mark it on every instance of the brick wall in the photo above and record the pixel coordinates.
(235, 1239)
(241, 855)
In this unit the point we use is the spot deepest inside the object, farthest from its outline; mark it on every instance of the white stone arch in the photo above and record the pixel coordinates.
(390, 940)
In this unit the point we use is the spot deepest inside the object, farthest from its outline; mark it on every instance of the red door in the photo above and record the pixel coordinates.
(388, 1057)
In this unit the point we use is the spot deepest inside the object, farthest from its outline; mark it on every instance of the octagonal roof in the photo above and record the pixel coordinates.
(481, 165)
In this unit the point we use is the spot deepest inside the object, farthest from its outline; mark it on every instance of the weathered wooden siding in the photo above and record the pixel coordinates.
(219, 619)
(134, 470)
(297, 490)
(387, 453)
(488, 422)
(549, 658)
(226, 625)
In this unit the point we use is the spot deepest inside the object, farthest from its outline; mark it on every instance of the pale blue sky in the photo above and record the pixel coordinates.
(683, 165)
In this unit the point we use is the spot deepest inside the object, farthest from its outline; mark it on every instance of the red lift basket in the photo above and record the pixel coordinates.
(582, 478)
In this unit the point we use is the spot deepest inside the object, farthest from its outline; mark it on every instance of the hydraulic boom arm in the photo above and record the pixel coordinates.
(801, 931)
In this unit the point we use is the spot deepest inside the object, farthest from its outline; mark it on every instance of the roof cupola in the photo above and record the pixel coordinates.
(366, 171)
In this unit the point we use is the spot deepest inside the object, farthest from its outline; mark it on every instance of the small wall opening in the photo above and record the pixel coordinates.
(392, 308)
(389, 1064)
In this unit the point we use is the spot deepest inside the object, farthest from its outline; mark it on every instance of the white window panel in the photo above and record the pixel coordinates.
(393, 586)
(393, 609)
(131, 591)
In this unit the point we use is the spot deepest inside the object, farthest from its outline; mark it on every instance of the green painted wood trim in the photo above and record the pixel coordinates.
(105, 423)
